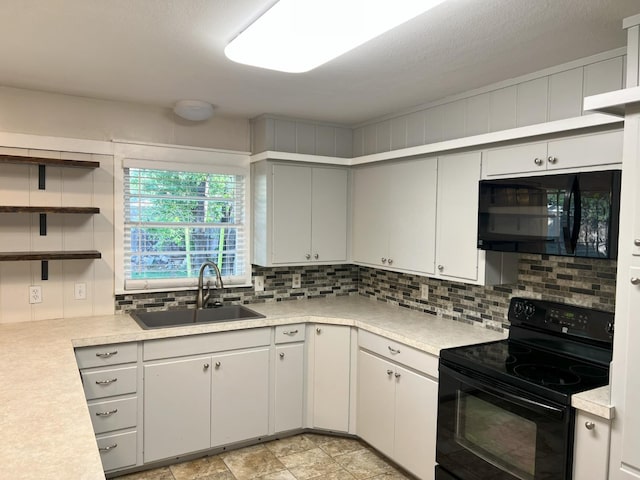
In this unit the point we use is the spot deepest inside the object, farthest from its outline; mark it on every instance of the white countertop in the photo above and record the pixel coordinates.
(45, 428)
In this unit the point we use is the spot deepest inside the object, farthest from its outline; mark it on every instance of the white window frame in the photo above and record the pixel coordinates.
(177, 158)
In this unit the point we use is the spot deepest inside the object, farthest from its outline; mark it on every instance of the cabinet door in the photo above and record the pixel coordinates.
(375, 407)
(329, 214)
(415, 425)
(412, 221)
(591, 447)
(515, 160)
(457, 223)
(601, 149)
(289, 389)
(331, 376)
(291, 236)
(177, 408)
(239, 396)
(371, 215)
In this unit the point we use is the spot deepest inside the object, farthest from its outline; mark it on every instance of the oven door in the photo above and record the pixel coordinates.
(486, 430)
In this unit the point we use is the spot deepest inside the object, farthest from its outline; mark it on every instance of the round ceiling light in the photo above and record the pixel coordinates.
(194, 110)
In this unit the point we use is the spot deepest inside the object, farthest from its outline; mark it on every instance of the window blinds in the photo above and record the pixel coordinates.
(175, 220)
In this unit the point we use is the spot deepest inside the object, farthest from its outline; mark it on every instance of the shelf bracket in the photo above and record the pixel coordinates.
(45, 269)
(42, 172)
(43, 224)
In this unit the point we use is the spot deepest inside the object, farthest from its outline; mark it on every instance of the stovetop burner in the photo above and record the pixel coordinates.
(546, 375)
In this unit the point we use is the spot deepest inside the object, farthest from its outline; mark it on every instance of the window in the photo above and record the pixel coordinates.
(176, 217)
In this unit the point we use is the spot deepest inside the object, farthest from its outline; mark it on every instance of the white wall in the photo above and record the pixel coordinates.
(41, 113)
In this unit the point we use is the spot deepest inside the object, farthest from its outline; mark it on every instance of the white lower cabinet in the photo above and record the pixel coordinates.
(289, 387)
(591, 447)
(397, 405)
(329, 377)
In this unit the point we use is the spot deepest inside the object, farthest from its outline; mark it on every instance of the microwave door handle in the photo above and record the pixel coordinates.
(577, 214)
(568, 228)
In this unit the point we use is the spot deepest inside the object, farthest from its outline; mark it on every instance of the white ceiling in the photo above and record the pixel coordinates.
(159, 51)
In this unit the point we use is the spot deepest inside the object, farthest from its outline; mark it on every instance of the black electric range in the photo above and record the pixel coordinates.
(504, 407)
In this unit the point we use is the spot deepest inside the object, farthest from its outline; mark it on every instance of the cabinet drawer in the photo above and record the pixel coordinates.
(114, 414)
(290, 333)
(117, 450)
(601, 149)
(399, 352)
(206, 343)
(521, 158)
(101, 355)
(109, 382)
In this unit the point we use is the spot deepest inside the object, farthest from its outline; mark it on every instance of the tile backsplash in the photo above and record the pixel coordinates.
(585, 282)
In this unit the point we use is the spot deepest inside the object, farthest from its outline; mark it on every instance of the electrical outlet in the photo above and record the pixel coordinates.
(424, 292)
(80, 291)
(35, 294)
(258, 284)
(296, 281)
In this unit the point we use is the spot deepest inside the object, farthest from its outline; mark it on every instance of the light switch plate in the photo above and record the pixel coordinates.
(35, 294)
(296, 281)
(80, 291)
(258, 284)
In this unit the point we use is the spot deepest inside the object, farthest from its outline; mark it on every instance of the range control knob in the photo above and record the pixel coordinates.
(518, 308)
(610, 328)
(529, 310)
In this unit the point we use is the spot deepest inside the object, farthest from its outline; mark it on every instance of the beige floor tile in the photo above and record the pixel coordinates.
(340, 446)
(155, 474)
(394, 475)
(287, 446)
(363, 464)
(283, 475)
(252, 462)
(319, 470)
(219, 476)
(319, 438)
(309, 457)
(197, 469)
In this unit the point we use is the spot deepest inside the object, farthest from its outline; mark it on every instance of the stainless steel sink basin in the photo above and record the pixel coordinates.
(190, 316)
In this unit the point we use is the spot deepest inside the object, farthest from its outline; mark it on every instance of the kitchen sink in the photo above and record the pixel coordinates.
(190, 316)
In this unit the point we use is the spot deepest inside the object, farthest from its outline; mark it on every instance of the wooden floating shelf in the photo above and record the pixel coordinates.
(55, 162)
(22, 209)
(71, 255)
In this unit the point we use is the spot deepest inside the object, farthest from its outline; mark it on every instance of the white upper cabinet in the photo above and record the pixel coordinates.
(583, 151)
(394, 209)
(299, 214)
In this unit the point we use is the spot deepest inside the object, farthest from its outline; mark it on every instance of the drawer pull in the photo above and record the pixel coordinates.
(589, 425)
(107, 448)
(107, 354)
(394, 351)
(389, 372)
(106, 382)
(635, 281)
(281, 354)
(397, 375)
(290, 332)
(106, 414)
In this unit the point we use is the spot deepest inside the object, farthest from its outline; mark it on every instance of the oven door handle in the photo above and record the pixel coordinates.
(519, 400)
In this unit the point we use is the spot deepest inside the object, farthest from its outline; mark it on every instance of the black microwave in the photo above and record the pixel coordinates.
(573, 215)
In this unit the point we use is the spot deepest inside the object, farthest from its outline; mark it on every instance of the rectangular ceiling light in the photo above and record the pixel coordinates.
(299, 35)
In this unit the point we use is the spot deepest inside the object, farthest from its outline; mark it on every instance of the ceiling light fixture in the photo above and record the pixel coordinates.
(194, 110)
(299, 35)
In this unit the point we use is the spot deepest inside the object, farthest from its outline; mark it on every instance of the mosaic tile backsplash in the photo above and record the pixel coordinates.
(585, 282)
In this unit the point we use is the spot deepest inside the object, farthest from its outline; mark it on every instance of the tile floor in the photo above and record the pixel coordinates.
(303, 457)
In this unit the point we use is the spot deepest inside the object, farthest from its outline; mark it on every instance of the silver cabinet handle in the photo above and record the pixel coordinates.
(106, 354)
(589, 425)
(390, 261)
(394, 351)
(537, 161)
(383, 260)
(281, 354)
(318, 330)
(316, 256)
(290, 332)
(552, 160)
(106, 382)
(635, 281)
(206, 366)
(106, 449)
(397, 375)
(307, 256)
(106, 414)
(389, 372)
(636, 242)
(440, 268)
(218, 364)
